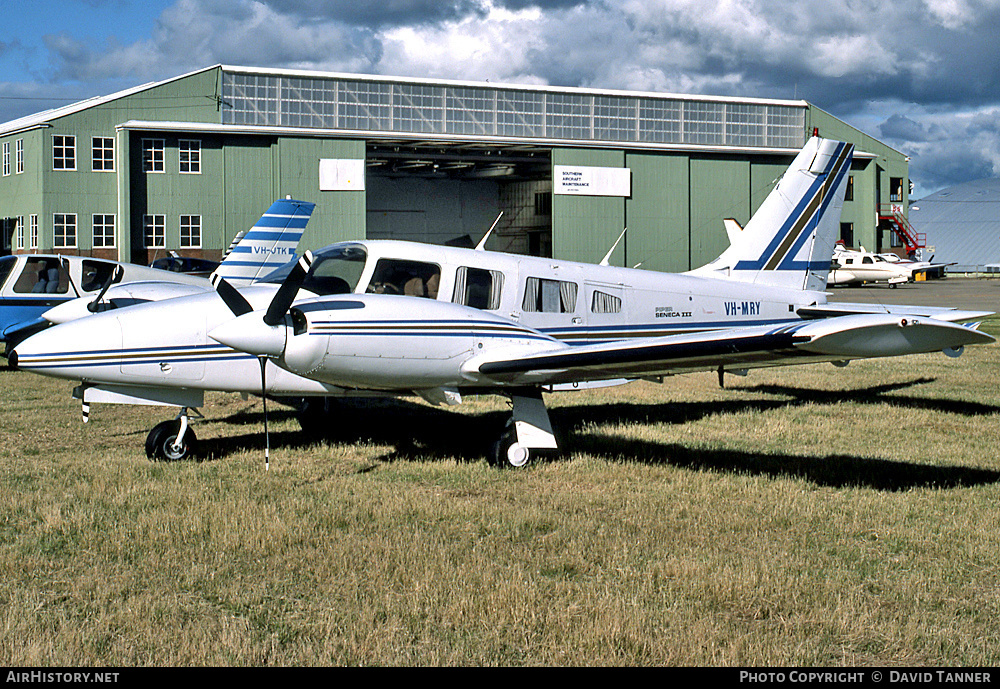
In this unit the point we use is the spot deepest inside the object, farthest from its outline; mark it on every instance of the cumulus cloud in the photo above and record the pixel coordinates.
(912, 62)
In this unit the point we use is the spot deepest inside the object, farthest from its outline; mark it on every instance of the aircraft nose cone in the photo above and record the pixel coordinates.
(248, 333)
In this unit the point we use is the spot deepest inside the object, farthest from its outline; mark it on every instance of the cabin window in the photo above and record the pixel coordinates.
(549, 296)
(867, 259)
(602, 302)
(478, 288)
(6, 266)
(410, 278)
(42, 276)
(95, 274)
(336, 270)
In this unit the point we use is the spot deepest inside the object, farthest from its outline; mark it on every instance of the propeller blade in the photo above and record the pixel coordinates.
(285, 295)
(236, 302)
(116, 276)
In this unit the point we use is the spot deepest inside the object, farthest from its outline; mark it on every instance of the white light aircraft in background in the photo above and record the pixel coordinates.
(399, 318)
(268, 245)
(852, 267)
(37, 290)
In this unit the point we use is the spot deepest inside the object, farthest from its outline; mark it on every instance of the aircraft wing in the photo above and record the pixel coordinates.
(941, 313)
(831, 339)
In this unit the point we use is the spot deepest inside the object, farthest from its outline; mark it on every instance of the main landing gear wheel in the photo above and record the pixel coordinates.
(160, 443)
(508, 453)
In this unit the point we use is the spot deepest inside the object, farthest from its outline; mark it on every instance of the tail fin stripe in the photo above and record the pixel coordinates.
(792, 234)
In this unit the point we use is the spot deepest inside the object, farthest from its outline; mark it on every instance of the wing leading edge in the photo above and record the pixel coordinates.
(831, 339)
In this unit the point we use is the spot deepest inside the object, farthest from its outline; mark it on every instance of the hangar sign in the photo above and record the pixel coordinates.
(581, 180)
(341, 175)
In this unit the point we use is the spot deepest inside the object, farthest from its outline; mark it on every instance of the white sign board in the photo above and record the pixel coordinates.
(341, 175)
(581, 180)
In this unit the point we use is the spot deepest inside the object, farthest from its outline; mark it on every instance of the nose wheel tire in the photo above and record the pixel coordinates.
(160, 442)
(508, 453)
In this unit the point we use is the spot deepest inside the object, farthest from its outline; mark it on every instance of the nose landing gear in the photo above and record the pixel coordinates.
(172, 441)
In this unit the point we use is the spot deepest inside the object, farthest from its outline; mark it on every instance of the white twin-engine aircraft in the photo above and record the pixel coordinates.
(400, 318)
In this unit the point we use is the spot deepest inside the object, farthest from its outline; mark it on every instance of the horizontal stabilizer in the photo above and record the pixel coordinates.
(940, 313)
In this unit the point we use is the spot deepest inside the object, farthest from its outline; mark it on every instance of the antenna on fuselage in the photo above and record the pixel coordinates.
(607, 257)
(481, 246)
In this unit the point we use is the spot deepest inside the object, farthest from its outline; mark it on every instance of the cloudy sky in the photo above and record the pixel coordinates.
(921, 75)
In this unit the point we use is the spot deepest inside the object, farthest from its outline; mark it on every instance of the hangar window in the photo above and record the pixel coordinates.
(190, 231)
(103, 158)
(154, 231)
(6, 158)
(153, 155)
(104, 231)
(410, 278)
(895, 188)
(549, 296)
(478, 288)
(189, 151)
(19, 231)
(64, 227)
(33, 232)
(849, 194)
(19, 156)
(63, 152)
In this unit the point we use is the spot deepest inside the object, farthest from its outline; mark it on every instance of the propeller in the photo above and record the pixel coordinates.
(236, 302)
(285, 295)
(247, 334)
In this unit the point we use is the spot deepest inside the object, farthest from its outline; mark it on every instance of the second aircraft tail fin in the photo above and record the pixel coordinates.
(269, 244)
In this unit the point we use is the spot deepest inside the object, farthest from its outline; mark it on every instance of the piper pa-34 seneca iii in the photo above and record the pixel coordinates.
(398, 318)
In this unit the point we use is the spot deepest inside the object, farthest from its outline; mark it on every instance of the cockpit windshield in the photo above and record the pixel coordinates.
(335, 270)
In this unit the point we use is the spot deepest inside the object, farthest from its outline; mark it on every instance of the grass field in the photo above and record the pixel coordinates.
(803, 516)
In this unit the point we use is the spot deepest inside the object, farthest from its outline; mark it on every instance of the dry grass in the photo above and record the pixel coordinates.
(804, 516)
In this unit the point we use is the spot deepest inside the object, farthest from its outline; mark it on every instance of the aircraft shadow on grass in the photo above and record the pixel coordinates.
(420, 432)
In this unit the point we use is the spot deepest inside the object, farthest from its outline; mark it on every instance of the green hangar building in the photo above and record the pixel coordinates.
(184, 164)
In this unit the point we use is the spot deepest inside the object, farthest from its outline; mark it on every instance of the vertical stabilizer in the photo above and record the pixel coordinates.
(789, 240)
(269, 244)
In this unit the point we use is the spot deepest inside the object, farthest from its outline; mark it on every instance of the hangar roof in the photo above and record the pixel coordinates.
(962, 223)
(408, 108)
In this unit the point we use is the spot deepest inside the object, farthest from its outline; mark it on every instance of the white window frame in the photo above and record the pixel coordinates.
(19, 156)
(100, 145)
(6, 158)
(62, 226)
(154, 155)
(190, 224)
(189, 156)
(103, 240)
(33, 231)
(157, 239)
(19, 231)
(63, 152)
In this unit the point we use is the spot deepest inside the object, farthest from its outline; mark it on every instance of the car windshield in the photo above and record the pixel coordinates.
(335, 270)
